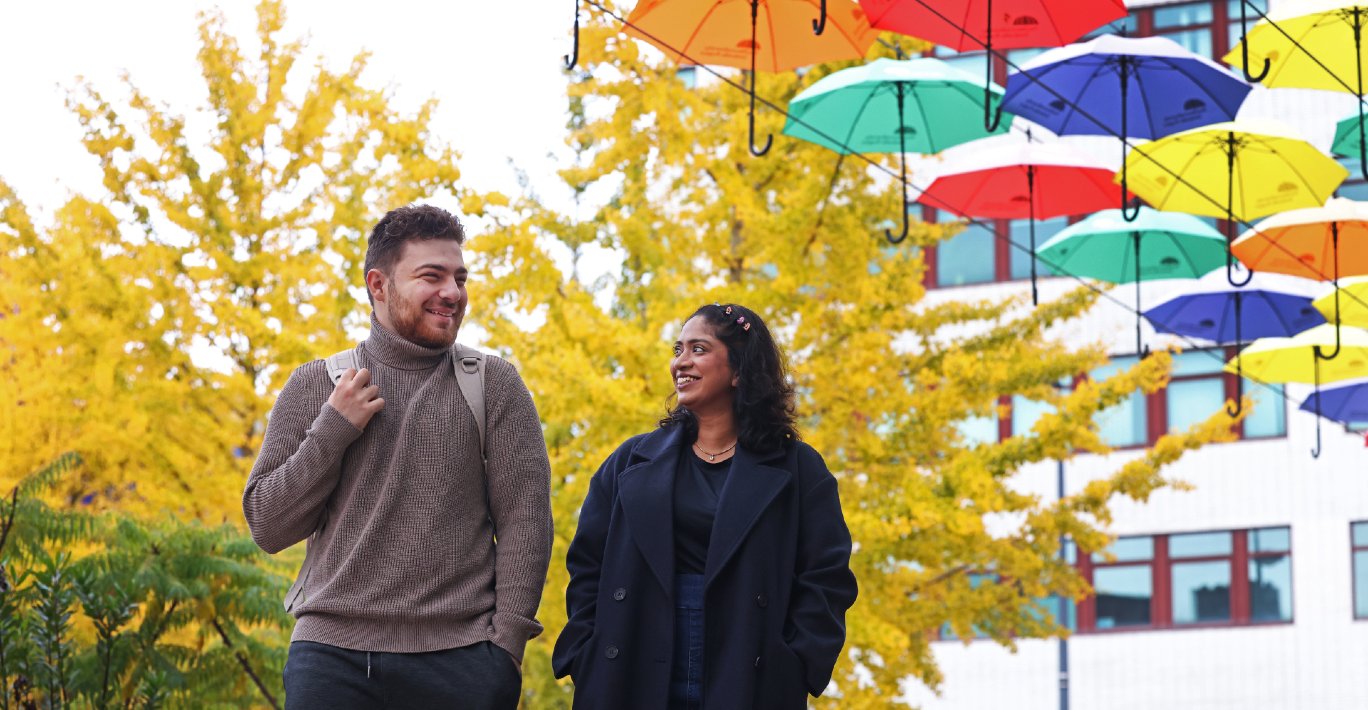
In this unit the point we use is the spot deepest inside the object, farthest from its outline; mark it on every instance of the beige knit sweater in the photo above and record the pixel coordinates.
(402, 554)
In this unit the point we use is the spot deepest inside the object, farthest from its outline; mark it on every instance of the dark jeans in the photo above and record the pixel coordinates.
(686, 671)
(481, 676)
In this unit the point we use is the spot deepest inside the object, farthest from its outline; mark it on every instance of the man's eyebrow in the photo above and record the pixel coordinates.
(439, 267)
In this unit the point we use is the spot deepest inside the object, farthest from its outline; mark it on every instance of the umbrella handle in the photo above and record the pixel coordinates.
(757, 152)
(1316, 452)
(1244, 49)
(572, 58)
(902, 161)
(1239, 364)
(888, 233)
(1230, 273)
(819, 24)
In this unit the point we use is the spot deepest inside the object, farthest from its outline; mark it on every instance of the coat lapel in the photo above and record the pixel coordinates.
(646, 489)
(751, 486)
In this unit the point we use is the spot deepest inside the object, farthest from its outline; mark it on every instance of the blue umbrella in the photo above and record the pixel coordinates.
(1270, 306)
(1346, 402)
(1084, 89)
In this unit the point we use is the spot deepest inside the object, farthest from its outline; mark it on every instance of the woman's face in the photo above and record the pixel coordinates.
(703, 377)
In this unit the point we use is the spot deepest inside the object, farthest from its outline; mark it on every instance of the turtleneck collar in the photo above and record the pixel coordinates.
(395, 351)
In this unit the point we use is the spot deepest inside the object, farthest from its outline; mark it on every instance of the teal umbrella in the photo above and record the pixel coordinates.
(909, 106)
(1105, 246)
(1346, 141)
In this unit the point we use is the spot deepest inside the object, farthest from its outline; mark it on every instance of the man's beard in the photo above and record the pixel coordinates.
(410, 322)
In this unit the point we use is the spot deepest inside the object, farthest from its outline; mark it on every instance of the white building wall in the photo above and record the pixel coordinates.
(1317, 662)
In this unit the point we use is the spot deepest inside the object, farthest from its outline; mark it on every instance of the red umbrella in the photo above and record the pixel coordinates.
(1004, 177)
(987, 24)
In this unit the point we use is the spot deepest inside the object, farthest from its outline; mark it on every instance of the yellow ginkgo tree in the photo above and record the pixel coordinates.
(666, 185)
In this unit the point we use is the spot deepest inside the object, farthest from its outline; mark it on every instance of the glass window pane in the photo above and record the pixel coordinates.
(1182, 15)
(1124, 424)
(1361, 584)
(1353, 190)
(1198, 362)
(967, 257)
(1020, 234)
(1269, 416)
(1270, 588)
(973, 62)
(1123, 596)
(1234, 14)
(1201, 592)
(1200, 544)
(1191, 402)
(978, 430)
(1061, 611)
(1196, 41)
(1128, 549)
(1026, 412)
(1270, 540)
(1360, 533)
(1126, 26)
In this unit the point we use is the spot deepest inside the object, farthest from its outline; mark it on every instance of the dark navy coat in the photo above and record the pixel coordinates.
(776, 585)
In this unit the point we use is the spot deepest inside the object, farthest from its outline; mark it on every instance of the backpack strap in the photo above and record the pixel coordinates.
(469, 365)
(339, 363)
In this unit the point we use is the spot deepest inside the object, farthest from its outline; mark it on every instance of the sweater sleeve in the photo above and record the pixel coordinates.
(299, 462)
(519, 479)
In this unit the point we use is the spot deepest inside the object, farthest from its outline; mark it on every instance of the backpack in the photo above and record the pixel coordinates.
(469, 365)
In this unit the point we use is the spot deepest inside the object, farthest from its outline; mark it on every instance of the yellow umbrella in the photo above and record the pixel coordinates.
(765, 35)
(1303, 358)
(1352, 311)
(1257, 167)
(1309, 45)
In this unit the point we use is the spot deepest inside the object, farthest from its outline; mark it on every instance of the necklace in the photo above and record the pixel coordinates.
(711, 456)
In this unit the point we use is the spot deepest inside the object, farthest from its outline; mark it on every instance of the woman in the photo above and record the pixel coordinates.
(711, 566)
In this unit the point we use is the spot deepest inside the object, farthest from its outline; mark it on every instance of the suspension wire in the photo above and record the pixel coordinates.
(1281, 392)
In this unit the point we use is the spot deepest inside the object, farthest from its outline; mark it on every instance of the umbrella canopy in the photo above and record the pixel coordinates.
(1304, 242)
(1334, 29)
(886, 106)
(964, 24)
(1293, 359)
(719, 31)
(1146, 87)
(1348, 138)
(1352, 308)
(1272, 305)
(1174, 246)
(1239, 170)
(1009, 178)
(1346, 402)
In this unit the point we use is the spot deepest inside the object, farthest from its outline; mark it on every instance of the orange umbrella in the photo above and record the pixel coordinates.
(1320, 243)
(765, 35)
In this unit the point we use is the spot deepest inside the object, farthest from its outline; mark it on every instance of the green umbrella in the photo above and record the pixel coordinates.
(1346, 137)
(1105, 246)
(906, 106)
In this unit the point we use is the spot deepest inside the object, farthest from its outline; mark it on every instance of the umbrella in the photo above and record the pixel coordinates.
(728, 32)
(1348, 137)
(919, 105)
(1146, 87)
(1346, 402)
(1105, 246)
(1008, 178)
(1355, 312)
(1006, 24)
(1300, 358)
(1261, 165)
(1271, 305)
(1334, 29)
(1306, 243)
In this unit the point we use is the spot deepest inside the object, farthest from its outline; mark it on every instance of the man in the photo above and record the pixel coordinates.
(406, 599)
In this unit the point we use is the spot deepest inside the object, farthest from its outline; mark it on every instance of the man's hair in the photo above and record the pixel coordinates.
(408, 223)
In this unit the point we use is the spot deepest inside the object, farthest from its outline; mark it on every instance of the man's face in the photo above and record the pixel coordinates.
(423, 299)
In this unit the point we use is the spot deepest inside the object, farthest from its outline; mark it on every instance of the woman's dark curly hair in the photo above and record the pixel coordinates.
(763, 405)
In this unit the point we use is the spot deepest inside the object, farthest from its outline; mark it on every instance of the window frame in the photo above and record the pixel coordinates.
(1161, 564)
(1353, 577)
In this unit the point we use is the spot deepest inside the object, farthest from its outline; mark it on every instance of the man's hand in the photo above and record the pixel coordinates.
(356, 398)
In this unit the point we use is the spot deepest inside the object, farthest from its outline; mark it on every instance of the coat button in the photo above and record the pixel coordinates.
(761, 601)
(757, 661)
(612, 652)
(619, 594)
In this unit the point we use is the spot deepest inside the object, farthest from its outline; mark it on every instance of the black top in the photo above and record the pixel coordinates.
(698, 484)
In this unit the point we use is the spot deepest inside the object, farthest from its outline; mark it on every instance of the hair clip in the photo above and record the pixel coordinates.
(746, 327)
(727, 311)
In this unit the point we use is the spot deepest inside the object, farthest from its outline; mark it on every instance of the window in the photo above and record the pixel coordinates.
(1019, 231)
(1221, 578)
(1359, 539)
(1126, 424)
(960, 260)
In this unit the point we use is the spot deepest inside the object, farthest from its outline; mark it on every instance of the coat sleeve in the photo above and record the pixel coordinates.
(584, 561)
(299, 462)
(825, 587)
(519, 478)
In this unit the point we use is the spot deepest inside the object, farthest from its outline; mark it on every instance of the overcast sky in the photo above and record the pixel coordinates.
(494, 67)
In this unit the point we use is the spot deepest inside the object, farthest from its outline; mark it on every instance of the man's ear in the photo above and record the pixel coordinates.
(377, 284)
